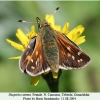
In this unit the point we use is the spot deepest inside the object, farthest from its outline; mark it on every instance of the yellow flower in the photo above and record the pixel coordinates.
(73, 35)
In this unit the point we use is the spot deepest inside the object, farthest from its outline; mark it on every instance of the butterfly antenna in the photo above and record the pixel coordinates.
(53, 12)
(25, 21)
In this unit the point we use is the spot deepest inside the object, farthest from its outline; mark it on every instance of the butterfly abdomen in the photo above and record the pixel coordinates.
(50, 49)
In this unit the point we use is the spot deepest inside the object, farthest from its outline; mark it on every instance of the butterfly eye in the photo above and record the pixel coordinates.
(39, 26)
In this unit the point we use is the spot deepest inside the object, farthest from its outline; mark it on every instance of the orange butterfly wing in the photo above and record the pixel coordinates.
(33, 60)
(70, 55)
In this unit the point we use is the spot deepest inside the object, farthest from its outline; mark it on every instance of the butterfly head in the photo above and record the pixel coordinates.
(41, 23)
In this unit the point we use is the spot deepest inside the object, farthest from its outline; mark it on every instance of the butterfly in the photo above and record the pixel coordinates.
(51, 50)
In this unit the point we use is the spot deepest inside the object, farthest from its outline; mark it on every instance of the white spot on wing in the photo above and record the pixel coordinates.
(81, 60)
(29, 46)
(73, 57)
(69, 54)
(79, 53)
(36, 53)
(38, 59)
(36, 63)
(68, 48)
(32, 60)
(78, 60)
(32, 67)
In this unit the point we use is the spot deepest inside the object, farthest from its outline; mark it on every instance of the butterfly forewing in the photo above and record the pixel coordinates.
(34, 62)
(71, 56)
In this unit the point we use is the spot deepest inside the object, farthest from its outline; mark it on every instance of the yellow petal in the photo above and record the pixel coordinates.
(80, 40)
(75, 33)
(13, 58)
(15, 45)
(50, 20)
(55, 75)
(35, 80)
(65, 28)
(57, 27)
(22, 37)
(32, 33)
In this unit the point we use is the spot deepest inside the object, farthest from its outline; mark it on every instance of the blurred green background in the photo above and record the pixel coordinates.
(80, 12)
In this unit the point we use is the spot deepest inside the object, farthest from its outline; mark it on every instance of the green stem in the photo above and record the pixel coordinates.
(52, 82)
